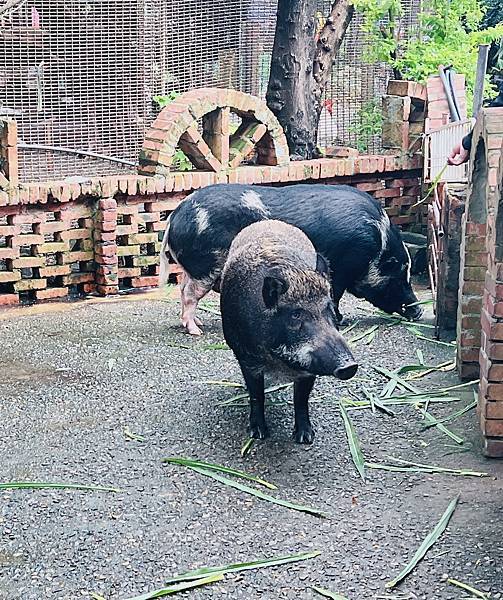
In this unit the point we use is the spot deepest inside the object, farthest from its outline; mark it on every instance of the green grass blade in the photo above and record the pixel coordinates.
(180, 587)
(396, 378)
(354, 443)
(274, 388)
(364, 334)
(188, 462)
(453, 416)
(254, 492)
(427, 543)
(439, 342)
(209, 310)
(133, 436)
(216, 346)
(328, 594)
(431, 419)
(349, 328)
(377, 403)
(459, 386)
(420, 356)
(411, 467)
(45, 485)
(245, 566)
(223, 383)
(96, 596)
(247, 446)
(468, 588)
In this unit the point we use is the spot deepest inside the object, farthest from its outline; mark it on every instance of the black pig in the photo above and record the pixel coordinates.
(279, 319)
(366, 253)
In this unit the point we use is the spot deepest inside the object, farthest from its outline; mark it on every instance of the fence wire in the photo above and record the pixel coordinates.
(82, 74)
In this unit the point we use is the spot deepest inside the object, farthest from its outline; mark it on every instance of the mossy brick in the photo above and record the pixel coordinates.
(53, 247)
(142, 238)
(127, 272)
(145, 261)
(9, 276)
(128, 250)
(71, 257)
(28, 285)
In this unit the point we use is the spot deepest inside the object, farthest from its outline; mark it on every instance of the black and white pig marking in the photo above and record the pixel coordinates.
(279, 319)
(348, 227)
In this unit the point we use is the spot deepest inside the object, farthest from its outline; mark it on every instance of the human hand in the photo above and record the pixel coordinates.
(458, 155)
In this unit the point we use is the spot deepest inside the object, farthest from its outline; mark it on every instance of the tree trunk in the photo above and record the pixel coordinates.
(290, 93)
(301, 68)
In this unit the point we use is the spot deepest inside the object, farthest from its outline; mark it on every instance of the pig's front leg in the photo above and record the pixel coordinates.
(303, 432)
(255, 386)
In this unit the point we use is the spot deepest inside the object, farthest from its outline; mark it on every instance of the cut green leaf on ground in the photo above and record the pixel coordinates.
(133, 436)
(188, 462)
(257, 493)
(328, 594)
(247, 446)
(428, 542)
(180, 587)
(41, 485)
(244, 566)
(468, 588)
(410, 467)
(270, 390)
(354, 443)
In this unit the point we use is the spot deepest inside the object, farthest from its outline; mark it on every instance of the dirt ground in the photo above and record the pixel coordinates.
(74, 377)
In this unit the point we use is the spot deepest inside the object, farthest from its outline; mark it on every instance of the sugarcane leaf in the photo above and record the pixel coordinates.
(467, 588)
(420, 356)
(247, 446)
(45, 485)
(354, 443)
(411, 467)
(95, 596)
(453, 416)
(328, 594)
(244, 566)
(180, 587)
(431, 419)
(393, 376)
(189, 462)
(216, 346)
(223, 383)
(364, 334)
(133, 436)
(274, 388)
(349, 328)
(427, 543)
(254, 492)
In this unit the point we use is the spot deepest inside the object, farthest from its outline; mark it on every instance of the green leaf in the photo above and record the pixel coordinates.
(269, 390)
(133, 436)
(189, 462)
(368, 332)
(328, 594)
(245, 566)
(428, 542)
(431, 419)
(452, 416)
(95, 596)
(216, 346)
(395, 378)
(41, 485)
(223, 383)
(354, 443)
(411, 467)
(247, 446)
(181, 587)
(468, 588)
(258, 493)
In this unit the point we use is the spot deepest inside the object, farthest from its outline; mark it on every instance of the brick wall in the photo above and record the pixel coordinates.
(59, 239)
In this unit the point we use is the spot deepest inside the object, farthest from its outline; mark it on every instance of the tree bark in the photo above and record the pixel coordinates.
(329, 43)
(301, 68)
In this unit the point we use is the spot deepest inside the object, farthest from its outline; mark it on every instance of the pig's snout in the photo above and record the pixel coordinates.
(412, 313)
(347, 371)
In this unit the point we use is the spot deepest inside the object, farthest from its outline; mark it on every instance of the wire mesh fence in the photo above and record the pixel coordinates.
(82, 74)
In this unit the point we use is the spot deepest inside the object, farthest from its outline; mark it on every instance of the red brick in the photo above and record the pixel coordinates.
(387, 193)
(146, 281)
(491, 427)
(51, 293)
(491, 391)
(475, 229)
(9, 299)
(493, 447)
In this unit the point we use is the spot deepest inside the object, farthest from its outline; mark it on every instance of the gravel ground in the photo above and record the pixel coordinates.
(73, 377)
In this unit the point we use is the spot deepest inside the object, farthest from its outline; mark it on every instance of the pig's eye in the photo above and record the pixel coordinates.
(296, 315)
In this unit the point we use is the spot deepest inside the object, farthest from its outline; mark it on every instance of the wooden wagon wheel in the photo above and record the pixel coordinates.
(215, 149)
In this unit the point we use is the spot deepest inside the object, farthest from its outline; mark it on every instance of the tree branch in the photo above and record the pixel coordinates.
(329, 42)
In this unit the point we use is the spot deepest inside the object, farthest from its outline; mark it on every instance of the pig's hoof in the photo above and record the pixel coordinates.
(259, 432)
(192, 328)
(198, 321)
(305, 435)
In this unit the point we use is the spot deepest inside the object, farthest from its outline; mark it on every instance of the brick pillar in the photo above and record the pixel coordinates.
(105, 248)
(491, 364)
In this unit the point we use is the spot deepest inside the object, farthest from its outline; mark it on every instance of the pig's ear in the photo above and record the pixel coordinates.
(272, 289)
(389, 266)
(322, 266)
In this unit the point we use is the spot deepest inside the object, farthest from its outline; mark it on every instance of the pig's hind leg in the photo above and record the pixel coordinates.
(303, 432)
(255, 386)
(191, 291)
